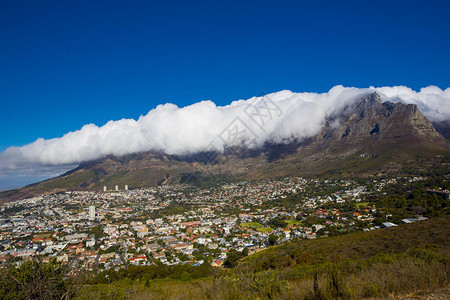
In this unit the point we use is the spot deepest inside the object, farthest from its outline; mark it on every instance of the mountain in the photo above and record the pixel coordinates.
(371, 117)
(443, 127)
(367, 138)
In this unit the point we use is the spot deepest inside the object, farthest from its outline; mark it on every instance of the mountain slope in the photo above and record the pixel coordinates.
(367, 138)
(357, 245)
(443, 128)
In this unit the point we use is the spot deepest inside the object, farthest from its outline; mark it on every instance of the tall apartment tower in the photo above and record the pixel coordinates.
(126, 187)
(105, 188)
(116, 188)
(92, 212)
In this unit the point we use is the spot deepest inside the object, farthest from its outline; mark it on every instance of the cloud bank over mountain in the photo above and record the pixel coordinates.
(203, 126)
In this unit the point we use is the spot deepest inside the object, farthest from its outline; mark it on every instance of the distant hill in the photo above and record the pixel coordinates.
(368, 138)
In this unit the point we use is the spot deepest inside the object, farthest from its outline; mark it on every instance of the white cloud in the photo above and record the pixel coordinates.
(433, 102)
(203, 126)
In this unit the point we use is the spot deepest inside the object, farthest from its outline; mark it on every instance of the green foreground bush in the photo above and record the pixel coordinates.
(420, 269)
(34, 279)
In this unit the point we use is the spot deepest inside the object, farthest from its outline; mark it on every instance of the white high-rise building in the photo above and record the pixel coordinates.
(92, 212)
(105, 188)
(117, 188)
(126, 187)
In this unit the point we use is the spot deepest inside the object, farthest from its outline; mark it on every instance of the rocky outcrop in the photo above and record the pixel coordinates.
(370, 118)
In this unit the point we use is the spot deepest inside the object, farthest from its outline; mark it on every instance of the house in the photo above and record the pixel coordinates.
(388, 224)
(189, 224)
(74, 247)
(137, 259)
(75, 238)
(158, 255)
(217, 263)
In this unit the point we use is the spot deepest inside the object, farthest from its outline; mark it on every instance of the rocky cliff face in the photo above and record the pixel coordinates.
(372, 119)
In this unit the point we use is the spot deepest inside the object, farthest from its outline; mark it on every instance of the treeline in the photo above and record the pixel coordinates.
(158, 270)
(403, 201)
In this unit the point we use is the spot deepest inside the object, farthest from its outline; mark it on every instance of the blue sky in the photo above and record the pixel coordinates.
(68, 63)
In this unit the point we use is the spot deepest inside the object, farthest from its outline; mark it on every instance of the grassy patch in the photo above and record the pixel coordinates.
(264, 229)
(252, 225)
(362, 204)
(43, 235)
(293, 222)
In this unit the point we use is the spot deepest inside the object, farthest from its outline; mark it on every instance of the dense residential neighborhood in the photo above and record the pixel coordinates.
(180, 223)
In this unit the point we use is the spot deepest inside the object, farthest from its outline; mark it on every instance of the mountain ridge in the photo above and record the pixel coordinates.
(367, 137)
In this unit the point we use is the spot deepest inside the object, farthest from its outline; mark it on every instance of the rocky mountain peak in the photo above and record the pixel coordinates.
(372, 98)
(372, 119)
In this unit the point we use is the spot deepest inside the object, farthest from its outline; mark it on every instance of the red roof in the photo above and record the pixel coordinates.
(137, 257)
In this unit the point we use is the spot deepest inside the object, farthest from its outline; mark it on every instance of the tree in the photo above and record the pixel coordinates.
(273, 239)
(147, 283)
(168, 255)
(277, 223)
(34, 279)
(97, 231)
(232, 258)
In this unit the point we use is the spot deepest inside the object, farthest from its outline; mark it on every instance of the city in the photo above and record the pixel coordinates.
(179, 224)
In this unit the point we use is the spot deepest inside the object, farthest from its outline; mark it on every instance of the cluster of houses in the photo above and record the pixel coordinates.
(112, 229)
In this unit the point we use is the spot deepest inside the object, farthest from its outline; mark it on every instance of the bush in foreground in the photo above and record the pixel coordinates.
(33, 279)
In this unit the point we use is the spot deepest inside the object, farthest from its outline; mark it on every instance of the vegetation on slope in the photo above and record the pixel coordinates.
(36, 280)
(376, 264)
(354, 246)
(381, 263)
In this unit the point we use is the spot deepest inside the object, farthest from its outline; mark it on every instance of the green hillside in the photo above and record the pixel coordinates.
(354, 246)
(408, 259)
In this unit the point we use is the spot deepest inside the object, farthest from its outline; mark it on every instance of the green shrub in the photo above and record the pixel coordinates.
(34, 279)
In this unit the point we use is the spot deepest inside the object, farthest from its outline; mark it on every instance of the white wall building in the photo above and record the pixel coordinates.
(92, 212)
